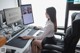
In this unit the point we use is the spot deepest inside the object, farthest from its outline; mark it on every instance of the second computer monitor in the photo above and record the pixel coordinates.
(27, 15)
(12, 15)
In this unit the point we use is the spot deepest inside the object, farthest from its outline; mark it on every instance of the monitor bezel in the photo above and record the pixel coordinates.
(3, 17)
(22, 14)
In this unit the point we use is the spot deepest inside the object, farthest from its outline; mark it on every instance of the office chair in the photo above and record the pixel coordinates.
(59, 28)
(70, 40)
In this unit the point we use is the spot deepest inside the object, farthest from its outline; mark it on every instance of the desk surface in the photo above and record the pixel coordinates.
(20, 45)
(18, 42)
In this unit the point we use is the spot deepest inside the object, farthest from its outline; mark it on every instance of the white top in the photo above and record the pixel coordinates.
(48, 31)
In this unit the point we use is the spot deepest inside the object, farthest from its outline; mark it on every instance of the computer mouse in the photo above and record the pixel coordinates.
(36, 28)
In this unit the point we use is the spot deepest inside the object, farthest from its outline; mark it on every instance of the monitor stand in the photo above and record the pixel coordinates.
(14, 28)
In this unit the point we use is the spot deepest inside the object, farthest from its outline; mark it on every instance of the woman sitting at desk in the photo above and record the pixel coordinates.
(50, 28)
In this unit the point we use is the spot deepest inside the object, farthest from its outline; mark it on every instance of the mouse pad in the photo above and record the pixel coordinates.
(17, 42)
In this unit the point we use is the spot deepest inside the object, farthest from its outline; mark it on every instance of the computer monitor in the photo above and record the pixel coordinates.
(27, 15)
(12, 15)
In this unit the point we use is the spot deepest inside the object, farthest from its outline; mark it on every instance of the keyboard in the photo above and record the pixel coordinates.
(17, 32)
(25, 32)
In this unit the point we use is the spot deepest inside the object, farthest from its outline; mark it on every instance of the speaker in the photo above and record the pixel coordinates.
(19, 3)
(1, 21)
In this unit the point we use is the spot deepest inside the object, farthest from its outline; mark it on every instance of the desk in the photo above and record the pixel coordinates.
(20, 49)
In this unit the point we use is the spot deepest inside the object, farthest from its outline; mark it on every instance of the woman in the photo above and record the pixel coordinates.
(49, 29)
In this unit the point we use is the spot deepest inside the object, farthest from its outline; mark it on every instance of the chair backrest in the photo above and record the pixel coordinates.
(73, 16)
(72, 38)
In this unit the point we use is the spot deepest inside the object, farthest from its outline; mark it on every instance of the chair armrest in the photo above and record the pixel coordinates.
(52, 47)
(59, 33)
(60, 28)
(78, 47)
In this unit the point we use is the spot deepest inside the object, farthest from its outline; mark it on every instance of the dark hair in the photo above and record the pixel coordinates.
(51, 11)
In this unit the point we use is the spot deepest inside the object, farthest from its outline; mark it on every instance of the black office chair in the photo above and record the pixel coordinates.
(60, 28)
(70, 40)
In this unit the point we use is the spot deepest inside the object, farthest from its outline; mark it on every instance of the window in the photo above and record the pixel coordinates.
(76, 1)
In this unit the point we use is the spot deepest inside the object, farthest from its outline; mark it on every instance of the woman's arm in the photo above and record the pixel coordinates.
(27, 37)
(46, 32)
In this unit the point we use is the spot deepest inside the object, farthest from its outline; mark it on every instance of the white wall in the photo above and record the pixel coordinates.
(7, 4)
(39, 7)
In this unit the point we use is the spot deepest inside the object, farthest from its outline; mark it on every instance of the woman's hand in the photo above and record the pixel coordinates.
(26, 37)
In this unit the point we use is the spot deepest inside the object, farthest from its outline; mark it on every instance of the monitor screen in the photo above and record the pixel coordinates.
(27, 15)
(12, 15)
